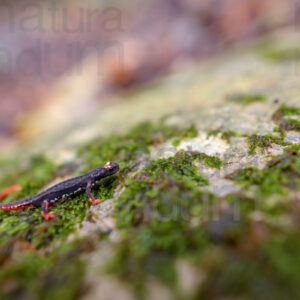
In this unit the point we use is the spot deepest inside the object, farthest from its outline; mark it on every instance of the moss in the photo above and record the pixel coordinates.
(246, 99)
(263, 263)
(213, 162)
(180, 167)
(40, 171)
(276, 129)
(281, 253)
(225, 135)
(160, 203)
(280, 175)
(294, 124)
(287, 118)
(153, 214)
(264, 141)
(254, 141)
(126, 148)
(270, 272)
(28, 271)
(31, 275)
(28, 224)
(289, 110)
(281, 55)
(190, 132)
(162, 215)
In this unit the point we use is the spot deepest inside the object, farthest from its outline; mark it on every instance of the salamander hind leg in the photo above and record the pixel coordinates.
(45, 214)
(90, 196)
(9, 190)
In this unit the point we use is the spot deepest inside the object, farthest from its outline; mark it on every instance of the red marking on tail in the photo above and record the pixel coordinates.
(14, 207)
(9, 190)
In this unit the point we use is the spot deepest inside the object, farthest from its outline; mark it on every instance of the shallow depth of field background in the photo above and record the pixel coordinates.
(130, 43)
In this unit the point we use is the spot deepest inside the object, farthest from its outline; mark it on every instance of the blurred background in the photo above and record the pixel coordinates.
(101, 48)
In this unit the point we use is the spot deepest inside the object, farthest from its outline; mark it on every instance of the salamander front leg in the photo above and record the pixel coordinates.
(89, 194)
(9, 190)
(45, 214)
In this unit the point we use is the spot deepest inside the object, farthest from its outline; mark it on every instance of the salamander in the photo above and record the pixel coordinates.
(61, 190)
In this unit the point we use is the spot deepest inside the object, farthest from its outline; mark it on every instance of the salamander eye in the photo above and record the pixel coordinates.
(108, 165)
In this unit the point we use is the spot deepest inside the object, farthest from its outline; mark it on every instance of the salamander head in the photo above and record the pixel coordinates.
(108, 169)
(111, 167)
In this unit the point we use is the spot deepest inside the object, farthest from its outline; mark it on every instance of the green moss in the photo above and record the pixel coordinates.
(281, 55)
(289, 110)
(287, 118)
(154, 213)
(213, 162)
(225, 135)
(263, 141)
(254, 141)
(190, 132)
(126, 148)
(180, 167)
(276, 129)
(162, 215)
(38, 172)
(270, 271)
(264, 261)
(294, 124)
(280, 175)
(28, 224)
(29, 273)
(246, 99)
(52, 275)
(266, 256)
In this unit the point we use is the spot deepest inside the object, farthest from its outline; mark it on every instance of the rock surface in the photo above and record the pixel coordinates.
(232, 160)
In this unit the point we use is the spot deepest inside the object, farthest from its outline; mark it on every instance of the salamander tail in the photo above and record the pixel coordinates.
(9, 190)
(15, 205)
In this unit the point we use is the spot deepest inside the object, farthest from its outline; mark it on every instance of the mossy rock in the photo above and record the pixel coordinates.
(166, 217)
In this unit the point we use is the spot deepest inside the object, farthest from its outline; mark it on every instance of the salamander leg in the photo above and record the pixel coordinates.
(45, 214)
(9, 190)
(89, 194)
